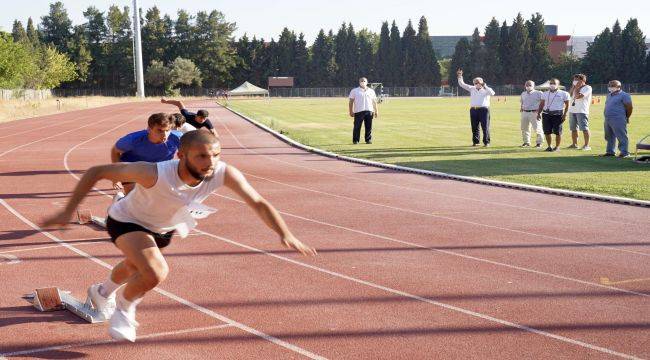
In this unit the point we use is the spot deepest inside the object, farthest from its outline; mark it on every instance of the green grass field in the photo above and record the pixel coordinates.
(434, 134)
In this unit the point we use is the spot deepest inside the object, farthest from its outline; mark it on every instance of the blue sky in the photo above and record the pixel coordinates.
(266, 18)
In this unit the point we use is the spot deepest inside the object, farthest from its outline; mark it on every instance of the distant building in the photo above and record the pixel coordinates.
(444, 46)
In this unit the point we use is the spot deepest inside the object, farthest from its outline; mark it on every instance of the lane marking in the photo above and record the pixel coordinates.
(356, 179)
(48, 247)
(9, 259)
(606, 281)
(110, 341)
(426, 300)
(453, 253)
(433, 215)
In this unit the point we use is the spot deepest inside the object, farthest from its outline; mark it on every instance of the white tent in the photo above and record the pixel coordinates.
(545, 86)
(248, 89)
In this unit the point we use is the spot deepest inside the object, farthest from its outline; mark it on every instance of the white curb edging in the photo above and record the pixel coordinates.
(471, 179)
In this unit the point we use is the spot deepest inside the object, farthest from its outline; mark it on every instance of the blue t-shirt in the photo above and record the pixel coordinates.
(137, 147)
(615, 106)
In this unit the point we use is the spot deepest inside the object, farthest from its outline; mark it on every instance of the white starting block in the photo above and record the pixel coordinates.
(53, 299)
(85, 216)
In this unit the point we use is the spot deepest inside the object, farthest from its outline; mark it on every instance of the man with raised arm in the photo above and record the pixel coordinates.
(166, 199)
(479, 112)
(199, 119)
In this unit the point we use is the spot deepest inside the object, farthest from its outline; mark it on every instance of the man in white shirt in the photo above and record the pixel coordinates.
(553, 109)
(579, 110)
(363, 108)
(479, 112)
(529, 107)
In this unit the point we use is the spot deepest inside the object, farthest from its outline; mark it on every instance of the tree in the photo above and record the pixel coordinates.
(395, 58)
(184, 35)
(285, 52)
(242, 71)
(504, 38)
(409, 55)
(157, 75)
(492, 67)
(460, 60)
(565, 67)
(427, 70)
(95, 31)
(80, 54)
(301, 61)
(18, 32)
(16, 63)
(478, 54)
(598, 62)
(539, 58)
(518, 51)
(184, 72)
(153, 37)
(634, 53)
(55, 68)
(215, 55)
(33, 34)
(56, 27)
(382, 56)
(323, 64)
(119, 58)
(366, 64)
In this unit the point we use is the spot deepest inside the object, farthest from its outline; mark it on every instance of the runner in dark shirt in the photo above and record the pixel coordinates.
(199, 119)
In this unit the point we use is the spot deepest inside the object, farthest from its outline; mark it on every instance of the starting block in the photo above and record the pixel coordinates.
(53, 299)
(85, 216)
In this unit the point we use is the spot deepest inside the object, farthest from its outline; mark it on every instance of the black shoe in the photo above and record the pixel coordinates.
(525, 145)
(355, 142)
(368, 142)
(607, 155)
(486, 145)
(538, 145)
(474, 144)
(549, 149)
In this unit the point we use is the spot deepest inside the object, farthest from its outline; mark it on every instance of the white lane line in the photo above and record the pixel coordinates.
(448, 252)
(49, 247)
(39, 128)
(426, 300)
(357, 179)
(9, 259)
(110, 341)
(168, 294)
(439, 216)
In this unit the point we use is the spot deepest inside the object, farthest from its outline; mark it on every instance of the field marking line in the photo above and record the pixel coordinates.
(168, 294)
(555, 213)
(39, 128)
(426, 300)
(606, 281)
(453, 253)
(447, 217)
(110, 341)
(49, 247)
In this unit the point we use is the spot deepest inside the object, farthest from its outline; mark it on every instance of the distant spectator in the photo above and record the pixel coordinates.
(579, 110)
(553, 109)
(529, 109)
(363, 108)
(479, 112)
(618, 110)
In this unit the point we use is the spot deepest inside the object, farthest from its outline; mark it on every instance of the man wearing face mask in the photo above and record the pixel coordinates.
(579, 110)
(530, 100)
(479, 112)
(618, 110)
(553, 109)
(363, 108)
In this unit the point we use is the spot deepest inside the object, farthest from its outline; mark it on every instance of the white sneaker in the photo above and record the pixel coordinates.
(123, 326)
(104, 305)
(586, 148)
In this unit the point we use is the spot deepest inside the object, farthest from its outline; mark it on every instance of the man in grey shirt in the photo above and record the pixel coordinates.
(529, 108)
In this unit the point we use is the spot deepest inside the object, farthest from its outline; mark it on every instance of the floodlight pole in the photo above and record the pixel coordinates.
(139, 79)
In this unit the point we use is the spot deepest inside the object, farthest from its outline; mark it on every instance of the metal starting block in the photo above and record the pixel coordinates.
(53, 299)
(85, 216)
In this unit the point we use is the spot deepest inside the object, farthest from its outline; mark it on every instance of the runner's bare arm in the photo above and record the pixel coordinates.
(236, 181)
(116, 154)
(142, 173)
(176, 103)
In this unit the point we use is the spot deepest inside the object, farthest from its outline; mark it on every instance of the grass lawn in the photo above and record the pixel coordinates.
(434, 134)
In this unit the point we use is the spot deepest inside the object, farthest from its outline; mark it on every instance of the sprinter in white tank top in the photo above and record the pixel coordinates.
(165, 194)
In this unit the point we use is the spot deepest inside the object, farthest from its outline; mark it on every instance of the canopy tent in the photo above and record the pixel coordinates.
(545, 86)
(248, 89)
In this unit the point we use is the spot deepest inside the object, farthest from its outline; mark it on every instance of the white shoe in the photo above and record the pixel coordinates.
(123, 326)
(104, 305)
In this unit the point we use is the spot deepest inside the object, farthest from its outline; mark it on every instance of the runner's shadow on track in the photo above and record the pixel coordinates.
(16, 234)
(41, 172)
(27, 314)
(49, 195)
(47, 242)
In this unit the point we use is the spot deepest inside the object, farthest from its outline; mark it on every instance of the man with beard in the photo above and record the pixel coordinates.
(162, 203)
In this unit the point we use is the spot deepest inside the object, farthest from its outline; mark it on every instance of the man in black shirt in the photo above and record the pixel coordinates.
(198, 120)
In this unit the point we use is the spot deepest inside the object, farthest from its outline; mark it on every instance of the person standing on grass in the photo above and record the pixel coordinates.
(618, 110)
(161, 204)
(579, 110)
(156, 143)
(479, 112)
(199, 119)
(553, 110)
(529, 107)
(363, 108)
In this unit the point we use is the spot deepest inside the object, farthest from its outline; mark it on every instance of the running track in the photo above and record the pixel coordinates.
(409, 266)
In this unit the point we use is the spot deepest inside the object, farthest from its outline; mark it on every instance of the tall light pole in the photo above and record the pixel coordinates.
(138, 50)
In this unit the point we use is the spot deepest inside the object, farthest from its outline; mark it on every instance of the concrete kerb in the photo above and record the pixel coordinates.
(471, 179)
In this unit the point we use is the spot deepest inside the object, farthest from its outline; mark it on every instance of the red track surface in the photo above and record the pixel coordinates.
(408, 267)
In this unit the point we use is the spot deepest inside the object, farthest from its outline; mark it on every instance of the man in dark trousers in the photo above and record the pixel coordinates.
(199, 119)
(479, 112)
(363, 108)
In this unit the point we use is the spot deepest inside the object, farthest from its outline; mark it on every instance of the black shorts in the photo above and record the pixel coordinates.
(552, 123)
(117, 228)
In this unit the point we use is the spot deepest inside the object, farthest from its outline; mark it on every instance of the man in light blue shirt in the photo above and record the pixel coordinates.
(618, 109)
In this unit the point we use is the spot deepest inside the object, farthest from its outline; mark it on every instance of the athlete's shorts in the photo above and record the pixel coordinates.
(117, 228)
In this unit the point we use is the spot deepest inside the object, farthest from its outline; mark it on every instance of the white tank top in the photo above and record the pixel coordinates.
(166, 205)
